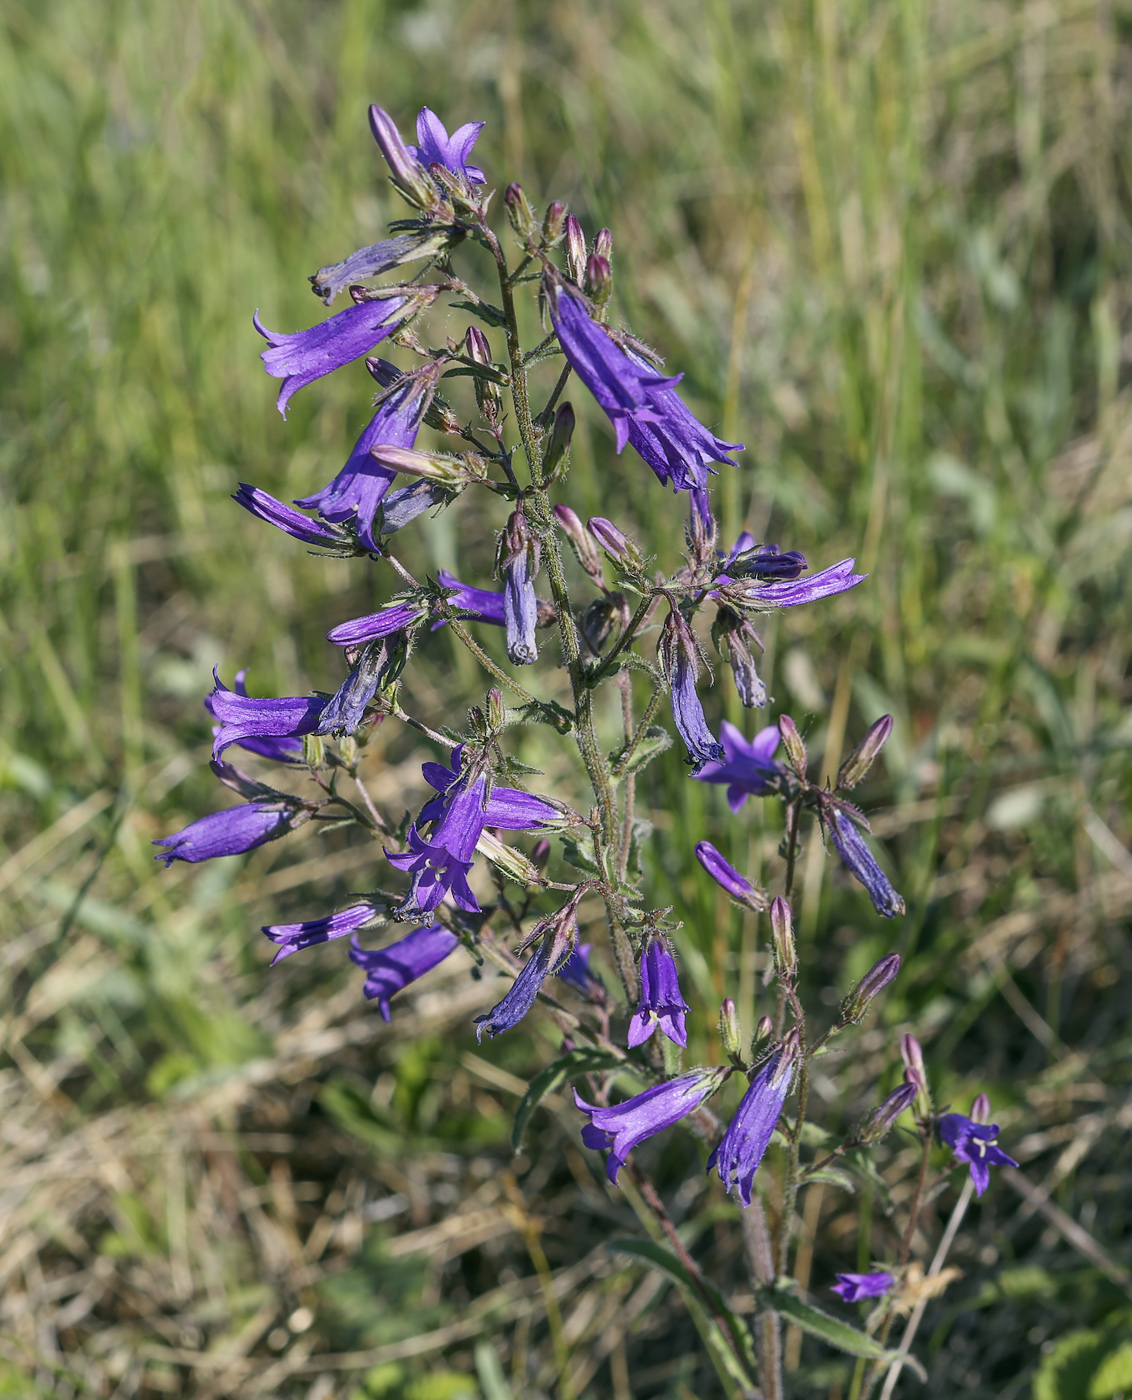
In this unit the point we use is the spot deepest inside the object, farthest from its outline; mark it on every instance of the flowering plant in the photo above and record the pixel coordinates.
(640, 635)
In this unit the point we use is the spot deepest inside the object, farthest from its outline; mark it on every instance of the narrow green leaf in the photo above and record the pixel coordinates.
(491, 314)
(579, 851)
(829, 1329)
(583, 1060)
(831, 1177)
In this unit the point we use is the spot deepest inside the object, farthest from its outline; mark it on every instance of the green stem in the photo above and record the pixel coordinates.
(623, 641)
(488, 664)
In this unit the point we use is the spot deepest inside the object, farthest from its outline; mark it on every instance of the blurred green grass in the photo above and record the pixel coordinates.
(888, 245)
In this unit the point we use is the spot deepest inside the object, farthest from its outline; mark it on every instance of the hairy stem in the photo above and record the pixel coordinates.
(760, 1265)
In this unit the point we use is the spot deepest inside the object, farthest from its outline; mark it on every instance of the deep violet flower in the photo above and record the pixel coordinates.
(974, 1143)
(231, 832)
(861, 864)
(679, 655)
(390, 970)
(576, 970)
(557, 940)
(241, 717)
(787, 592)
(726, 876)
(394, 617)
(748, 768)
(741, 1149)
(507, 809)
(358, 489)
(625, 1125)
(295, 524)
(279, 750)
(291, 938)
(853, 1287)
(478, 604)
(301, 357)
(439, 864)
(676, 445)
(438, 148)
(661, 1003)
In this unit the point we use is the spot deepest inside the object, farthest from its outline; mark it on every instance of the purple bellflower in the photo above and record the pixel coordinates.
(231, 832)
(558, 937)
(279, 750)
(477, 604)
(860, 863)
(439, 865)
(390, 970)
(519, 559)
(394, 617)
(242, 718)
(748, 769)
(358, 489)
(661, 1003)
(507, 809)
(407, 502)
(625, 1125)
(301, 357)
(974, 1143)
(728, 878)
(292, 938)
(381, 257)
(438, 148)
(676, 445)
(292, 522)
(378, 664)
(853, 1287)
(786, 592)
(740, 1151)
(679, 655)
(577, 972)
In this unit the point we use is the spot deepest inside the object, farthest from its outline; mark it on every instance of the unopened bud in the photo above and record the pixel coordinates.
(729, 1029)
(864, 755)
(560, 436)
(488, 396)
(409, 175)
(603, 244)
(580, 540)
(553, 223)
(782, 940)
(507, 860)
(615, 542)
(763, 1031)
(980, 1109)
(540, 852)
(728, 878)
(478, 347)
(519, 211)
(575, 250)
(792, 742)
(915, 1074)
(435, 466)
(599, 279)
(496, 710)
(878, 977)
(882, 1118)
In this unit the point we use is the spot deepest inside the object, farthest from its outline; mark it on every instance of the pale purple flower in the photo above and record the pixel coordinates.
(241, 717)
(292, 938)
(301, 357)
(292, 522)
(748, 768)
(410, 177)
(741, 1149)
(381, 257)
(974, 1143)
(231, 832)
(359, 488)
(395, 617)
(377, 665)
(733, 636)
(279, 750)
(407, 502)
(885, 1115)
(436, 147)
(661, 1003)
(728, 878)
(679, 656)
(861, 864)
(625, 1125)
(787, 592)
(558, 939)
(389, 970)
(518, 557)
(853, 1287)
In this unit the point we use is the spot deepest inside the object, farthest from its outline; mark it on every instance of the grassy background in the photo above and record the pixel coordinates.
(888, 244)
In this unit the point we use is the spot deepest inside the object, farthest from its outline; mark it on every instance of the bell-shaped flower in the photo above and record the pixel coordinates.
(436, 147)
(394, 617)
(232, 832)
(676, 445)
(748, 768)
(507, 809)
(519, 559)
(242, 718)
(679, 655)
(728, 878)
(861, 864)
(623, 1126)
(439, 864)
(741, 1149)
(292, 938)
(558, 936)
(292, 522)
(661, 1003)
(378, 664)
(389, 970)
(853, 1287)
(975, 1144)
(277, 749)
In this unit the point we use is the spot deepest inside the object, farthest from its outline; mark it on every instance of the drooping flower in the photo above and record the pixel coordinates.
(741, 1149)
(623, 1126)
(734, 635)
(231, 832)
(728, 878)
(519, 552)
(853, 1287)
(558, 936)
(278, 749)
(242, 718)
(292, 522)
(676, 445)
(301, 357)
(861, 864)
(379, 663)
(358, 489)
(748, 768)
(292, 938)
(436, 147)
(381, 257)
(661, 1003)
(975, 1144)
(394, 617)
(679, 655)
(389, 970)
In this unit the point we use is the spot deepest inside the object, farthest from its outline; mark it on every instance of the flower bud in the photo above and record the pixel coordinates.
(763, 1031)
(915, 1074)
(540, 853)
(575, 250)
(615, 543)
(409, 176)
(864, 755)
(795, 748)
(729, 1030)
(728, 878)
(980, 1109)
(519, 211)
(436, 466)
(883, 1117)
(599, 279)
(603, 244)
(477, 345)
(553, 223)
(488, 395)
(496, 710)
(581, 542)
(507, 860)
(782, 940)
(878, 977)
(559, 444)
(733, 635)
